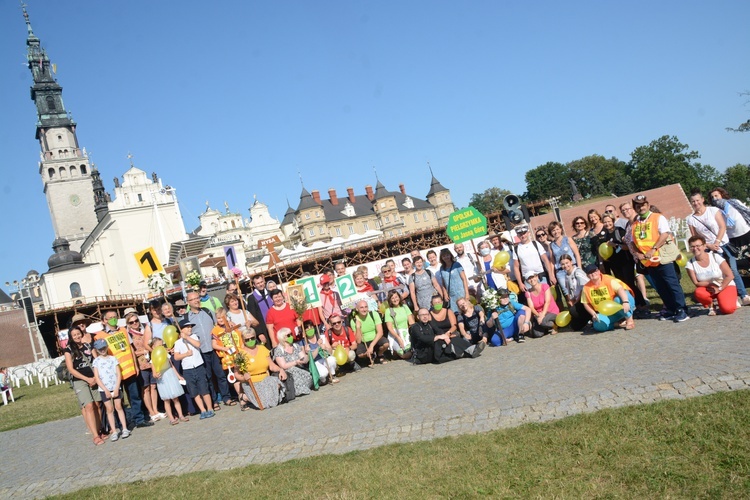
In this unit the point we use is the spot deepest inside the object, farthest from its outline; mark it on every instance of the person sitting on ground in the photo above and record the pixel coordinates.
(257, 368)
(291, 357)
(320, 350)
(108, 378)
(510, 319)
(170, 389)
(187, 349)
(603, 287)
(543, 307)
(572, 287)
(471, 321)
(368, 329)
(398, 319)
(430, 346)
(712, 277)
(443, 321)
(341, 335)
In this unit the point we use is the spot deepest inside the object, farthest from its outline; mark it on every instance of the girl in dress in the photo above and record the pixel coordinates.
(170, 388)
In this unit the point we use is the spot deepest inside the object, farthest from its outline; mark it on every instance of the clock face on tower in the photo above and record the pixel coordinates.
(75, 200)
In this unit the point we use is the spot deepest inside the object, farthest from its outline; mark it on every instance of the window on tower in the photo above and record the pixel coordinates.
(63, 172)
(83, 169)
(73, 171)
(51, 103)
(75, 290)
(51, 173)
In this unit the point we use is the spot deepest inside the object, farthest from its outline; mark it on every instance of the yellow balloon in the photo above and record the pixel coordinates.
(608, 307)
(682, 259)
(606, 251)
(563, 319)
(501, 259)
(170, 336)
(553, 291)
(159, 358)
(340, 355)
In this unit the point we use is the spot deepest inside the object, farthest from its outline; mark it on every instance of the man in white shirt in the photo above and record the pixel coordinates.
(467, 261)
(529, 256)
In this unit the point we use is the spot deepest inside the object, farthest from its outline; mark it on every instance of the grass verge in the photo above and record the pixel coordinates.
(692, 448)
(36, 405)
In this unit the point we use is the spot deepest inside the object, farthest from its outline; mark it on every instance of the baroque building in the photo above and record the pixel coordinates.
(394, 213)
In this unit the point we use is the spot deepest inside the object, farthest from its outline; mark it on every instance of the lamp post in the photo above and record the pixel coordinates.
(27, 284)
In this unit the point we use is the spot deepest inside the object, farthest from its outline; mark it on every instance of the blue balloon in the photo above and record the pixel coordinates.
(602, 323)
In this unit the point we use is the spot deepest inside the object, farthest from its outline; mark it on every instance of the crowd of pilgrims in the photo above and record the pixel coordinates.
(254, 349)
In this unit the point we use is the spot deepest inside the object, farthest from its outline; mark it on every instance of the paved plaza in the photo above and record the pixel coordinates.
(540, 380)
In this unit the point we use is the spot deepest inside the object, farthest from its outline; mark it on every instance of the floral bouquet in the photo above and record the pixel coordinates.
(193, 278)
(240, 362)
(158, 282)
(490, 300)
(298, 304)
(236, 272)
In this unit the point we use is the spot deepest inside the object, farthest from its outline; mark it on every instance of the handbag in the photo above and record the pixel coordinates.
(733, 250)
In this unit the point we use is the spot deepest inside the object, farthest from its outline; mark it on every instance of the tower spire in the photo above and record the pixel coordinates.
(26, 17)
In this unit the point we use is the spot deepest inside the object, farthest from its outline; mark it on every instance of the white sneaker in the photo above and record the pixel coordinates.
(125, 433)
(739, 302)
(746, 300)
(161, 416)
(115, 436)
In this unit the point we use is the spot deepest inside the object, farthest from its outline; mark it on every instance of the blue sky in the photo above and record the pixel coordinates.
(229, 100)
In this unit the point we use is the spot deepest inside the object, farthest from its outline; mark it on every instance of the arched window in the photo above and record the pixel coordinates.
(63, 173)
(233, 225)
(51, 173)
(51, 103)
(73, 171)
(75, 290)
(83, 169)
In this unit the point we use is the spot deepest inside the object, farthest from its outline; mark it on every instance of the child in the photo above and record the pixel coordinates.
(4, 382)
(187, 350)
(509, 320)
(169, 385)
(108, 378)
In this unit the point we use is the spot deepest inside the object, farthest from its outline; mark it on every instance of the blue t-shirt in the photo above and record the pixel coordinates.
(507, 314)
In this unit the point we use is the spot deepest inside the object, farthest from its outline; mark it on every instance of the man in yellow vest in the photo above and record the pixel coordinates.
(603, 287)
(119, 346)
(650, 231)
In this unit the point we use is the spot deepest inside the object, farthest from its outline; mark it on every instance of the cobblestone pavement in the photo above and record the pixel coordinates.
(540, 380)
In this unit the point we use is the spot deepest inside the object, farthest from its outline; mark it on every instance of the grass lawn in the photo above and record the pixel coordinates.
(36, 405)
(673, 449)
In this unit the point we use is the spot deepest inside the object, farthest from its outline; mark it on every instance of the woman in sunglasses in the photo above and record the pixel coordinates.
(583, 241)
(257, 368)
(137, 333)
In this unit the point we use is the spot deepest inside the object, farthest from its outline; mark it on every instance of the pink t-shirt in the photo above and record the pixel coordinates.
(538, 300)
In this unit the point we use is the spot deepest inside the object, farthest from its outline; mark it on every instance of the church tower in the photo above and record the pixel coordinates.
(64, 166)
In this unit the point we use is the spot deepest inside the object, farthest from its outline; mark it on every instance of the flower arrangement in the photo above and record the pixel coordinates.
(490, 300)
(236, 272)
(157, 282)
(193, 278)
(299, 305)
(240, 362)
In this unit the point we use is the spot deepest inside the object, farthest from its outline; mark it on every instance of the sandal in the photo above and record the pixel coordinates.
(217, 407)
(98, 441)
(231, 402)
(184, 419)
(630, 324)
(711, 312)
(244, 406)
(175, 421)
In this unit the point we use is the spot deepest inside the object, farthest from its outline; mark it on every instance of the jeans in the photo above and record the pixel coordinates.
(664, 279)
(732, 261)
(213, 369)
(134, 413)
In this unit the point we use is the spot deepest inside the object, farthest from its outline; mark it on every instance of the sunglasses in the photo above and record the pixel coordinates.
(335, 323)
(134, 322)
(541, 235)
(246, 339)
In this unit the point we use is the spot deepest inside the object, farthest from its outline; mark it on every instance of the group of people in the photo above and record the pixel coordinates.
(260, 349)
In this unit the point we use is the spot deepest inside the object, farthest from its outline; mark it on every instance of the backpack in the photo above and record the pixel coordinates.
(520, 265)
(62, 372)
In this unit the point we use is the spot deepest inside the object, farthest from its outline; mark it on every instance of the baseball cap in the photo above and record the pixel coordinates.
(128, 311)
(325, 279)
(522, 228)
(100, 344)
(590, 268)
(186, 322)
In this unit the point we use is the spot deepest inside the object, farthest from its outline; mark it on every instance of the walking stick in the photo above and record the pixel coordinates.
(255, 392)
(360, 339)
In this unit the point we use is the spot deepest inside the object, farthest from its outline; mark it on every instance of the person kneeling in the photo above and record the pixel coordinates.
(601, 289)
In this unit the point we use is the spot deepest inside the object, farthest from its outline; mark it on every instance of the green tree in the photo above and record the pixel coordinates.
(664, 161)
(736, 180)
(596, 175)
(548, 180)
(490, 201)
